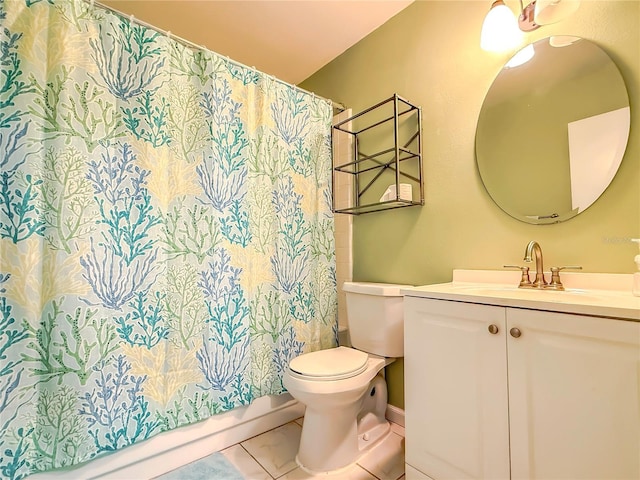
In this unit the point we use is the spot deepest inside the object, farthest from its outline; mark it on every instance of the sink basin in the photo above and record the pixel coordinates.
(585, 293)
(527, 293)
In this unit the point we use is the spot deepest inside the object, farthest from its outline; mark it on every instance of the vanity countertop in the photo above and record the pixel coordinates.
(598, 294)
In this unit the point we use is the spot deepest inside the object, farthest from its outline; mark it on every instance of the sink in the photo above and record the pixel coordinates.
(527, 293)
(585, 293)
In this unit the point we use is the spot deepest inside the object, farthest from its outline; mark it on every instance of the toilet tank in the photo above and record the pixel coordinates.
(376, 317)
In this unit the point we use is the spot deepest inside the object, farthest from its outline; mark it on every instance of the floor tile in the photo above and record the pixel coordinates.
(386, 461)
(245, 463)
(354, 473)
(276, 449)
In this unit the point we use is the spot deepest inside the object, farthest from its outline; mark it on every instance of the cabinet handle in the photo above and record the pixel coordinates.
(493, 329)
(515, 332)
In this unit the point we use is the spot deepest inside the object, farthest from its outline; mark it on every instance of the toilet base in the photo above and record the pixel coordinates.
(372, 436)
(376, 437)
(372, 422)
(329, 439)
(346, 433)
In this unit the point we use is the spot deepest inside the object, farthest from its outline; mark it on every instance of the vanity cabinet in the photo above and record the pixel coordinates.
(500, 392)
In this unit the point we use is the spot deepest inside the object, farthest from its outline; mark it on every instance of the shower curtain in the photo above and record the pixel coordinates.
(166, 236)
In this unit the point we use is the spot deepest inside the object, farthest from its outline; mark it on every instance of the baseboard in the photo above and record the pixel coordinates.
(395, 415)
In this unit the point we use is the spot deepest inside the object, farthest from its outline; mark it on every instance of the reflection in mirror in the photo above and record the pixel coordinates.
(552, 130)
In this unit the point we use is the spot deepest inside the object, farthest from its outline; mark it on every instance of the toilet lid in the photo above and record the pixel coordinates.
(333, 363)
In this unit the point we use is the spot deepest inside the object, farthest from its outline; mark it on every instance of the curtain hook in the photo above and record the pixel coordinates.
(131, 18)
(92, 4)
(169, 34)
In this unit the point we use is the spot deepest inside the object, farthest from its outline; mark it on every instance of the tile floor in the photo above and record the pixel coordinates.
(272, 456)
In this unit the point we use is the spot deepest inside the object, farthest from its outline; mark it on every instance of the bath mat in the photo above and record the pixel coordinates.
(213, 467)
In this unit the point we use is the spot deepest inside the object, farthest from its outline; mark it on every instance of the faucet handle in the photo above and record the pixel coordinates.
(555, 283)
(524, 281)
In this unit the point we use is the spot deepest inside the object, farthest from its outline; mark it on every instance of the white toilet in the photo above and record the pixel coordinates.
(345, 395)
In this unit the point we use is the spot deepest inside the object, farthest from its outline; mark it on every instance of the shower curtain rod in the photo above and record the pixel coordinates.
(334, 104)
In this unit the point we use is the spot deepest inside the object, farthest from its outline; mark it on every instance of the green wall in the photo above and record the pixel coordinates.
(430, 54)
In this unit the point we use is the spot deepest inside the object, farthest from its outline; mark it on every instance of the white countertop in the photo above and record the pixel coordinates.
(599, 294)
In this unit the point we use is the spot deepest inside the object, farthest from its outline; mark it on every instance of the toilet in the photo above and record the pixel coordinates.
(342, 388)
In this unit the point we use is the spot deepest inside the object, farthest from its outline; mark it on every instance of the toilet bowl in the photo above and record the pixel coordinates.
(330, 439)
(342, 388)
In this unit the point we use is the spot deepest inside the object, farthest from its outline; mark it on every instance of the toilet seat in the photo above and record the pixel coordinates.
(331, 364)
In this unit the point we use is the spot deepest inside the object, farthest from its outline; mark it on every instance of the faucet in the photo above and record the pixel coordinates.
(533, 248)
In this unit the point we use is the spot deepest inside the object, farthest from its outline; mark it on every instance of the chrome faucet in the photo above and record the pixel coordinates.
(534, 249)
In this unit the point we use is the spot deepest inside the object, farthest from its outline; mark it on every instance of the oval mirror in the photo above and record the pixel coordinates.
(552, 130)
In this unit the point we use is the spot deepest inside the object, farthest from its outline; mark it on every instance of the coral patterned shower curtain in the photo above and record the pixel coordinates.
(166, 236)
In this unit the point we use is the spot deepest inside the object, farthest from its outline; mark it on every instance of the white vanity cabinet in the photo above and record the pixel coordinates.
(501, 392)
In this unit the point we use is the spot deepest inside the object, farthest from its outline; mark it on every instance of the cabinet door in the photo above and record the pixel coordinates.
(574, 396)
(455, 390)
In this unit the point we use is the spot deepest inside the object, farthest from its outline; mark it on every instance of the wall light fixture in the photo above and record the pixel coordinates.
(501, 31)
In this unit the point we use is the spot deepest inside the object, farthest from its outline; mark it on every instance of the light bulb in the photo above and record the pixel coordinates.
(500, 30)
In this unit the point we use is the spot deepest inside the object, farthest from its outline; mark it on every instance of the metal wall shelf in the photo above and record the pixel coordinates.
(392, 130)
